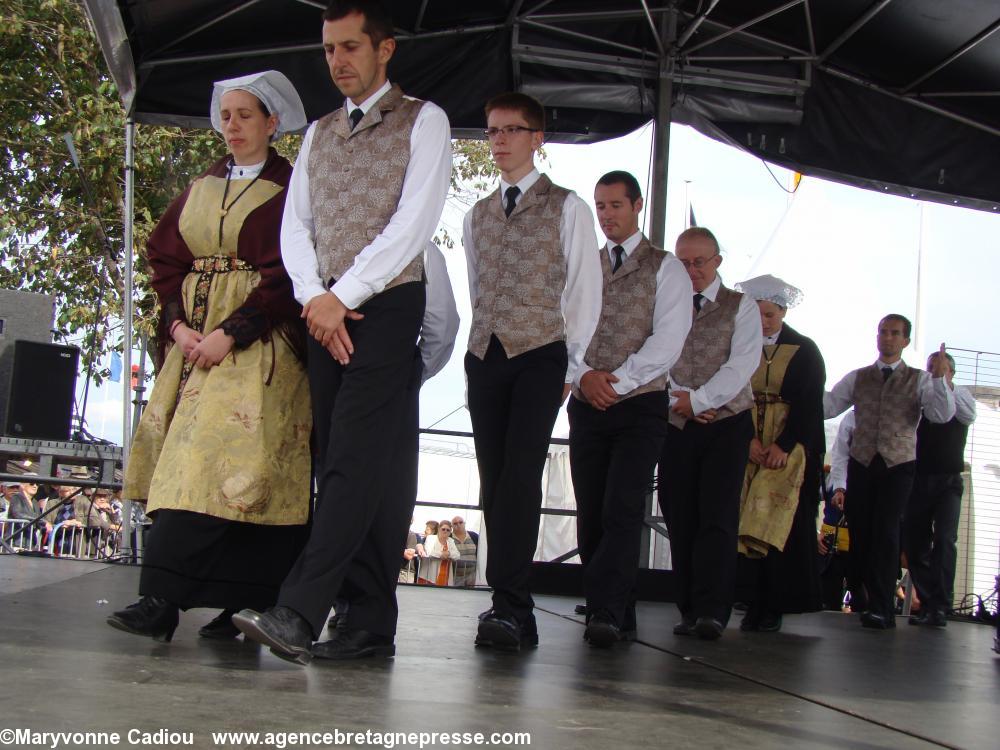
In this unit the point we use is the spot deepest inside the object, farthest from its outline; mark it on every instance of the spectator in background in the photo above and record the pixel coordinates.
(436, 569)
(467, 543)
(834, 539)
(24, 508)
(930, 527)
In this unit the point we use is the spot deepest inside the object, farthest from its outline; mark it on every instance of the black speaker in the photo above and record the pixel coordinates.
(42, 388)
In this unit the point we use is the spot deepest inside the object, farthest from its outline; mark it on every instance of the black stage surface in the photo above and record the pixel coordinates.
(822, 682)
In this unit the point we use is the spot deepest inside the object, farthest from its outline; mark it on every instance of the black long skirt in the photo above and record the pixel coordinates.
(195, 560)
(788, 581)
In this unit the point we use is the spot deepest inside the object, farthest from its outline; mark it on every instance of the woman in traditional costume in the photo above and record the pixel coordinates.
(777, 536)
(221, 455)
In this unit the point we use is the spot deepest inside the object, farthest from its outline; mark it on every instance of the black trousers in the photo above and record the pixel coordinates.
(876, 498)
(612, 455)
(365, 426)
(513, 403)
(701, 477)
(930, 536)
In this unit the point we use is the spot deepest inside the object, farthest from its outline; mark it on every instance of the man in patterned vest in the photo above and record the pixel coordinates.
(618, 410)
(365, 197)
(887, 398)
(708, 440)
(535, 283)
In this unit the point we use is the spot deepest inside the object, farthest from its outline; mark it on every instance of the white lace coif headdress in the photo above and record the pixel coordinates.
(771, 289)
(276, 92)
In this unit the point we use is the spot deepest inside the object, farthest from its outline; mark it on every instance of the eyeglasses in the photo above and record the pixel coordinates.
(698, 262)
(459, 523)
(446, 528)
(510, 131)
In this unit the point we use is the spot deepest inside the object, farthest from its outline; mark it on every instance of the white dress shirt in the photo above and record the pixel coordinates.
(425, 187)
(840, 453)
(933, 394)
(672, 313)
(965, 405)
(744, 357)
(581, 299)
(440, 325)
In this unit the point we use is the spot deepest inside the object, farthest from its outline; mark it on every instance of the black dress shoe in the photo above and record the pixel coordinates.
(708, 628)
(602, 630)
(354, 644)
(932, 618)
(221, 628)
(282, 629)
(505, 632)
(150, 616)
(876, 621)
(684, 627)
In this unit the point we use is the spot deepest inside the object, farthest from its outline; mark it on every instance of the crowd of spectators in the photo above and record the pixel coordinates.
(444, 555)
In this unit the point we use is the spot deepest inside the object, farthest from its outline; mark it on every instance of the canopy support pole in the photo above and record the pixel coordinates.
(126, 552)
(657, 198)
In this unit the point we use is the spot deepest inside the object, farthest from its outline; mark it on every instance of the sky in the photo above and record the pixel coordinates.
(854, 253)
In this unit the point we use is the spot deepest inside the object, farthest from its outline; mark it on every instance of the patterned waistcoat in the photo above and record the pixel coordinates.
(707, 348)
(355, 181)
(522, 271)
(886, 415)
(628, 301)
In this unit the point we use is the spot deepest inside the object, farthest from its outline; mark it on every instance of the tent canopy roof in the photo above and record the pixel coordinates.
(901, 96)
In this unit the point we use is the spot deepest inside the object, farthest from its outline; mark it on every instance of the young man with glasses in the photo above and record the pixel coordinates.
(535, 284)
(708, 441)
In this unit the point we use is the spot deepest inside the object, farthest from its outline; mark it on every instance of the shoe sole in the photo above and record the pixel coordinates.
(706, 632)
(250, 628)
(216, 636)
(492, 635)
(601, 635)
(386, 652)
(160, 637)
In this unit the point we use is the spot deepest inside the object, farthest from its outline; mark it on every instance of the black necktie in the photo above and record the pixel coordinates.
(356, 115)
(698, 299)
(512, 192)
(886, 373)
(619, 252)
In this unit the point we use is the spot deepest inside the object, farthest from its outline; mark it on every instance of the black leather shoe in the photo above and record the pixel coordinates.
(283, 630)
(150, 616)
(684, 627)
(354, 644)
(337, 621)
(708, 628)
(932, 618)
(505, 632)
(602, 630)
(221, 628)
(876, 621)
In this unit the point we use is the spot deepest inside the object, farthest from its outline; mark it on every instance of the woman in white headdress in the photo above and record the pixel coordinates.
(778, 573)
(221, 455)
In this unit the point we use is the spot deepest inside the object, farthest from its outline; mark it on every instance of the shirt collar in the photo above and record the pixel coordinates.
(712, 290)
(246, 171)
(368, 103)
(881, 365)
(768, 340)
(629, 244)
(524, 184)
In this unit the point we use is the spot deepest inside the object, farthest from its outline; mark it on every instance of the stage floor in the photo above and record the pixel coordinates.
(821, 682)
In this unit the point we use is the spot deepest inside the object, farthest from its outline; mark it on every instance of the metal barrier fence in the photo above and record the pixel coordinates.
(979, 526)
(69, 539)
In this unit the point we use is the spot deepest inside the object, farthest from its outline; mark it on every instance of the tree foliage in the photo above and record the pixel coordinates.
(54, 81)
